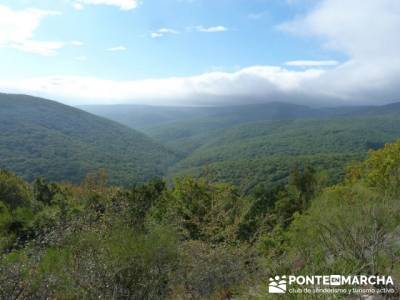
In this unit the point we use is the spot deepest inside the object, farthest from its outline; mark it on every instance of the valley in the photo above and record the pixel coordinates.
(257, 145)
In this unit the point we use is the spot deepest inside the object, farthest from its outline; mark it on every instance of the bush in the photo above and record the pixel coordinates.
(14, 191)
(218, 272)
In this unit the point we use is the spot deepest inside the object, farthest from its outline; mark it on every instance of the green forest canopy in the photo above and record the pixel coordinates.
(196, 239)
(248, 146)
(255, 145)
(44, 138)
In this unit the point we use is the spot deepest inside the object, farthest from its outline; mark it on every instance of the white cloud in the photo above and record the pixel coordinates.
(358, 27)
(77, 43)
(121, 4)
(168, 30)
(77, 6)
(17, 30)
(366, 31)
(117, 48)
(261, 82)
(42, 48)
(311, 63)
(155, 35)
(211, 29)
(162, 32)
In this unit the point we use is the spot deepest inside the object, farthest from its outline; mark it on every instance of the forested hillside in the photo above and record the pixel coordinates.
(146, 116)
(149, 118)
(186, 136)
(248, 146)
(44, 138)
(263, 152)
(257, 145)
(196, 239)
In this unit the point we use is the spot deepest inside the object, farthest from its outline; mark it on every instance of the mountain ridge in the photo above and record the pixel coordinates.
(40, 137)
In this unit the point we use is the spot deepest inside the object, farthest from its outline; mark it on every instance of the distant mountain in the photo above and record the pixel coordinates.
(146, 116)
(184, 129)
(257, 144)
(253, 145)
(255, 153)
(39, 137)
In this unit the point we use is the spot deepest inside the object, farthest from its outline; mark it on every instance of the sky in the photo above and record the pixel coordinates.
(202, 52)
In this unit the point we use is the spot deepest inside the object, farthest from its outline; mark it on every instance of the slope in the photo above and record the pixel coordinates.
(39, 137)
(263, 152)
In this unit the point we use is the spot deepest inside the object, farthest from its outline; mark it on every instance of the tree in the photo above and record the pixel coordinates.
(352, 228)
(44, 191)
(202, 211)
(14, 192)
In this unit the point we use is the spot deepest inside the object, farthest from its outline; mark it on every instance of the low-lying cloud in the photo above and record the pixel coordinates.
(249, 85)
(366, 31)
(311, 63)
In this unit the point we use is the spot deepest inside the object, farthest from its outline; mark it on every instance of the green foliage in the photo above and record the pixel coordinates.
(248, 146)
(347, 231)
(350, 228)
(44, 191)
(202, 211)
(195, 239)
(275, 208)
(382, 170)
(260, 216)
(14, 192)
(44, 138)
(258, 145)
(5, 216)
(142, 199)
(215, 272)
(92, 241)
(262, 153)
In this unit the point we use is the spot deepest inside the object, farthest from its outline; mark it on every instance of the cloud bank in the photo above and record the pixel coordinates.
(311, 63)
(254, 84)
(366, 31)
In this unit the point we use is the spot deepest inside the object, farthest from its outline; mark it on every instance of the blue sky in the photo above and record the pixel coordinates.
(65, 47)
(251, 38)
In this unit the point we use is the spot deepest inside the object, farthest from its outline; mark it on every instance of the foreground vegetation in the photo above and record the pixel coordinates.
(196, 239)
